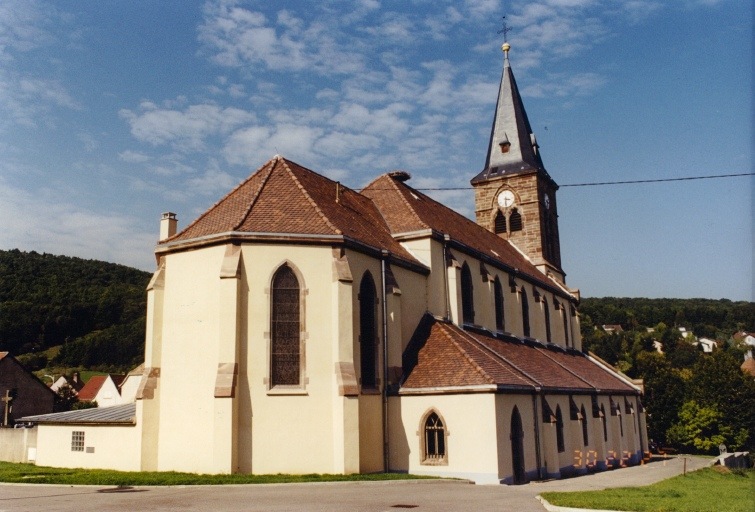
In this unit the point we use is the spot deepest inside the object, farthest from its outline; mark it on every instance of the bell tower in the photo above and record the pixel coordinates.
(515, 197)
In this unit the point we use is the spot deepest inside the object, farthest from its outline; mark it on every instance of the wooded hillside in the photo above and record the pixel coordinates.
(94, 309)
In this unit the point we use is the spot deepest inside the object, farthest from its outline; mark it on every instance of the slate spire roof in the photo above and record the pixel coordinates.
(510, 126)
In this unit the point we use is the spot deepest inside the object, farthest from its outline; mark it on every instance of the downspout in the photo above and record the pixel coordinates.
(537, 437)
(446, 239)
(385, 254)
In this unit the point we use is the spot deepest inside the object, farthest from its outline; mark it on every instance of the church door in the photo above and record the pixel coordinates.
(517, 447)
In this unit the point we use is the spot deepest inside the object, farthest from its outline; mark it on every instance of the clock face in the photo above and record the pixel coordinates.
(547, 201)
(506, 199)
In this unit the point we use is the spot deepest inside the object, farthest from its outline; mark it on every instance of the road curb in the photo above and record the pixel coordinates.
(556, 508)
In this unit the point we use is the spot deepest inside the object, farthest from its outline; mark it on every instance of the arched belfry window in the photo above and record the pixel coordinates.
(368, 331)
(285, 358)
(559, 430)
(525, 313)
(467, 295)
(515, 220)
(547, 312)
(498, 300)
(434, 440)
(499, 224)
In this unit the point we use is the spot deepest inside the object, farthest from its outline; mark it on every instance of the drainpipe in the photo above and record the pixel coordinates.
(446, 239)
(537, 438)
(384, 255)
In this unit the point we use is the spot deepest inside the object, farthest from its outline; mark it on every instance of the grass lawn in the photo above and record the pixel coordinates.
(29, 473)
(707, 490)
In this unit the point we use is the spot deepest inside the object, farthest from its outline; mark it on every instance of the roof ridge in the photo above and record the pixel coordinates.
(308, 196)
(395, 186)
(493, 353)
(219, 201)
(466, 355)
(258, 192)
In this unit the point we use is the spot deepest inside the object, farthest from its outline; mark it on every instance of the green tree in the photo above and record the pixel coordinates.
(702, 429)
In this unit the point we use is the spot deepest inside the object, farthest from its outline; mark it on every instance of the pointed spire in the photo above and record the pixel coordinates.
(512, 147)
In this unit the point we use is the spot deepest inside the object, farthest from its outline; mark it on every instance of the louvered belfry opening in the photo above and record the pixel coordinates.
(286, 328)
(499, 225)
(515, 220)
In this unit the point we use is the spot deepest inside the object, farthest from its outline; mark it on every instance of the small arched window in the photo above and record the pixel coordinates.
(585, 439)
(434, 440)
(498, 296)
(467, 295)
(547, 312)
(368, 331)
(515, 220)
(499, 224)
(525, 313)
(285, 329)
(559, 430)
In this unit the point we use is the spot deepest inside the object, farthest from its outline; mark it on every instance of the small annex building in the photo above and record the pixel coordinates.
(328, 330)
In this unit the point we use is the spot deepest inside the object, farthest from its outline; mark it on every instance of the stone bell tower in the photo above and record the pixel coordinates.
(515, 197)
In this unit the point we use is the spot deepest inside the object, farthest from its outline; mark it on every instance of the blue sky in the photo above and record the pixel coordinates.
(112, 112)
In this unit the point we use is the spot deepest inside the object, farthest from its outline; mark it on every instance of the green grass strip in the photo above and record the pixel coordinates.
(706, 490)
(31, 474)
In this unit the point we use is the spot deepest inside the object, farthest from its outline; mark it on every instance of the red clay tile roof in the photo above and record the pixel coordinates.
(92, 387)
(749, 366)
(407, 210)
(284, 198)
(441, 354)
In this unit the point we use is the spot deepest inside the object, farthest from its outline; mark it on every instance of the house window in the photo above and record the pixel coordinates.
(434, 440)
(515, 220)
(286, 329)
(547, 312)
(467, 295)
(498, 299)
(585, 439)
(525, 313)
(367, 331)
(559, 430)
(77, 441)
(499, 224)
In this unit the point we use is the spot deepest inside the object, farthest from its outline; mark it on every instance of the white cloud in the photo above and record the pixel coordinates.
(45, 221)
(133, 157)
(185, 129)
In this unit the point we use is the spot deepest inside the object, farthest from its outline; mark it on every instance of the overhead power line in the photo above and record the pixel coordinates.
(629, 182)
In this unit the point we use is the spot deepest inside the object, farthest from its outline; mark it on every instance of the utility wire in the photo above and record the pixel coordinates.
(631, 182)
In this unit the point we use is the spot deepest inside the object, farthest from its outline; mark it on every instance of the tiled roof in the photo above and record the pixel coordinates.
(442, 355)
(407, 210)
(3, 354)
(283, 198)
(125, 413)
(92, 387)
(749, 366)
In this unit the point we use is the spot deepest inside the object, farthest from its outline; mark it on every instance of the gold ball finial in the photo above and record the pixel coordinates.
(505, 47)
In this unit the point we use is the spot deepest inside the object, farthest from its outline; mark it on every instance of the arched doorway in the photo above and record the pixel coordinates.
(517, 447)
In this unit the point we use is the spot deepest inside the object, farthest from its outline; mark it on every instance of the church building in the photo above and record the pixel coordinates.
(299, 326)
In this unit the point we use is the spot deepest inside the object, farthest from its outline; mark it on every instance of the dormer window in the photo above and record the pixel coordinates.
(505, 145)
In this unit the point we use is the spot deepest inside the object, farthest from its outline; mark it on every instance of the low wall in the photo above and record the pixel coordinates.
(17, 443)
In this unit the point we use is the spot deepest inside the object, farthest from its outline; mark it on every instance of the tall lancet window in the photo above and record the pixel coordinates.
(285, 329)
(499, 224)
(368, 331)
(498, 299)
(525, 313)
(467, 295)
(547, 312)
(515, 220)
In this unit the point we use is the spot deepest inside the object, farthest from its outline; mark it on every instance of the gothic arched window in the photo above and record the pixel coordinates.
(368, 331)
(547, 312)
(467, 295)
(434, 440)
(515, 220)
(498, 300)
(285, 329)
(499, 224)
(525, 314)
(559, 430)
(585, 439)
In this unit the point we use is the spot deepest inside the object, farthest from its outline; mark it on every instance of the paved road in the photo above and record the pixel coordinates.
(427, 495)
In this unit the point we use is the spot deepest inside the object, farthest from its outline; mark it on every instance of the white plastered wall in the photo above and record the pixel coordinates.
(105, 447)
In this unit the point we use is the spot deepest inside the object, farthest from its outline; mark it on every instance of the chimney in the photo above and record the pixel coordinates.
(168, 224)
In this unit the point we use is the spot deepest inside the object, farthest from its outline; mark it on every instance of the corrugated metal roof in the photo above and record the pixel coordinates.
(125, 413)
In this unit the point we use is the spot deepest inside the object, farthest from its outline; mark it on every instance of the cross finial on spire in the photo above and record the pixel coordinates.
(505, 30)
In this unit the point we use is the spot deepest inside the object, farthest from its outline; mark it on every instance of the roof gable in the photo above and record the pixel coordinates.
(92, 387)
